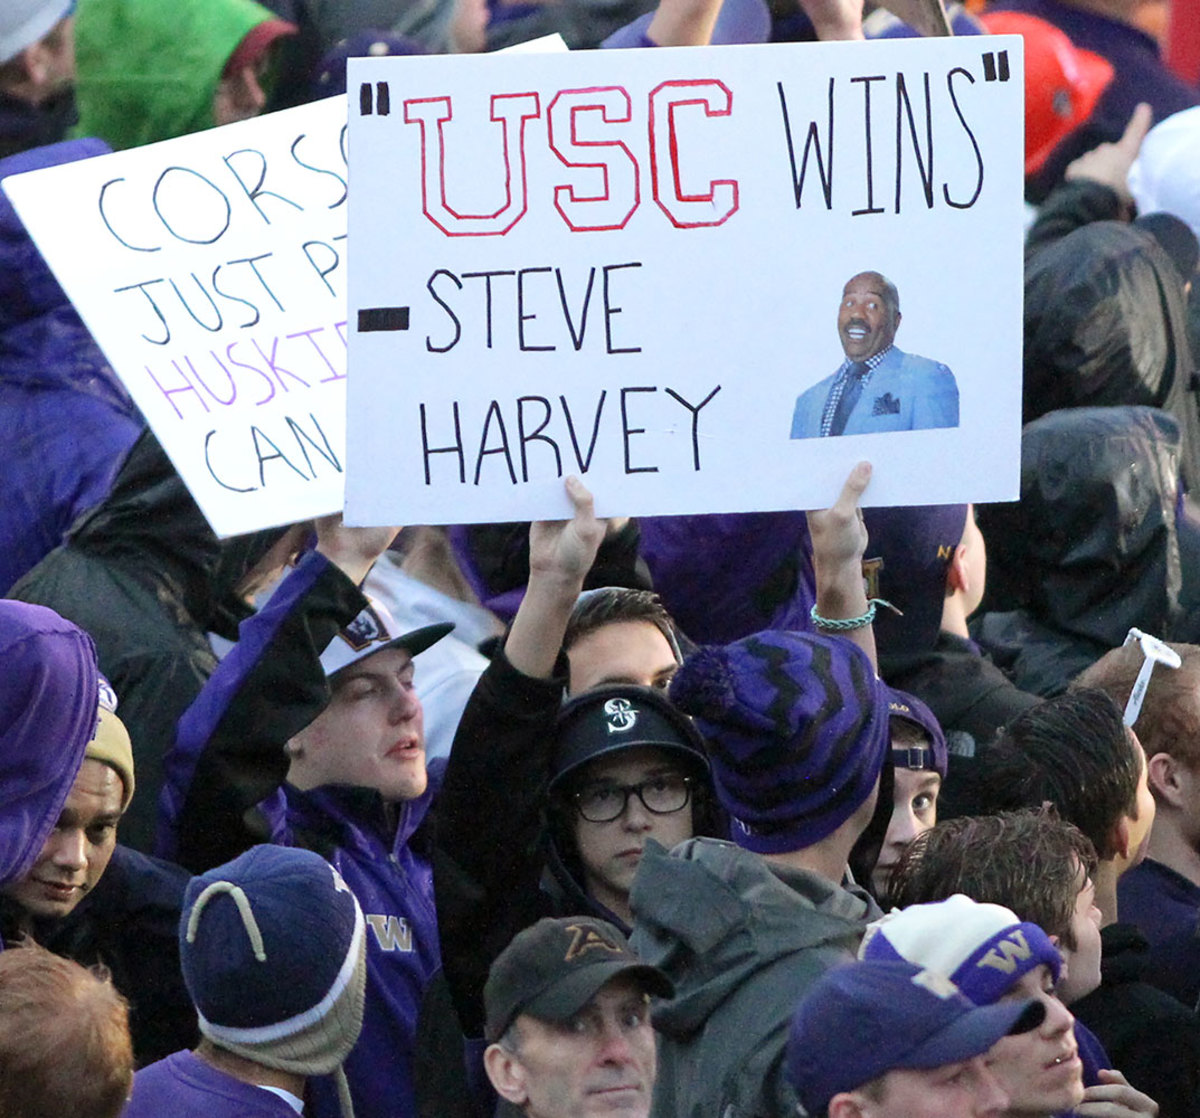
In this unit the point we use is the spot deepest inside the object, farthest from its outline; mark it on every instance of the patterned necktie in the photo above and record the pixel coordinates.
(851, 391)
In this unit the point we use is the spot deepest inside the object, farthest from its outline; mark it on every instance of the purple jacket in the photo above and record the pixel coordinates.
(67, 420)
(48, 702)
(229, 757)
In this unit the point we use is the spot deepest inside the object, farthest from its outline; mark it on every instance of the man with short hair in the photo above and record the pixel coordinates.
(878, 387)
(1074, 752)
(568, 1018)
(64, 1039)
(617, 634)
(1162, 895)
(1041, 867)
(884, 1039)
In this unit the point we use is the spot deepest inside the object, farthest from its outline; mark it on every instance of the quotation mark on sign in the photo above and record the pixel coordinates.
(379, 99)
(995, 67)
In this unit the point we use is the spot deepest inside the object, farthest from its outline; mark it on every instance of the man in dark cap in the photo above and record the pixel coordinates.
(568, 1017)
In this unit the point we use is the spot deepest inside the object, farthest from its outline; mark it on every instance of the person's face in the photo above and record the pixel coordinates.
(77, 852)
(1139, 827)
(1039, 1070)
(866, 324)
(623, 652)
(914, 811)
(372, 734)
(611, 852)
(1081, 969)
(600, 1062)
(964, 1090)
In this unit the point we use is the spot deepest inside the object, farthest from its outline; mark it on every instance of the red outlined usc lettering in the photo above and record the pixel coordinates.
(573, 118)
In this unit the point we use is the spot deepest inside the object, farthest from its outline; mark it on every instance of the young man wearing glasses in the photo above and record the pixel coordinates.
(627, 767)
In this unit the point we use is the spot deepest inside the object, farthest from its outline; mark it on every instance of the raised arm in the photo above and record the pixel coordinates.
(229, 747)
(561, 553)
(488, 852)
(839, 540)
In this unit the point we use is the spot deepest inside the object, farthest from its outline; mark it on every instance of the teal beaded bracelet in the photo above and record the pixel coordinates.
(849, 624)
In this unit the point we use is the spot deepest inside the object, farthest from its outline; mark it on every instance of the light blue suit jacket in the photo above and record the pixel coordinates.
(905, 393)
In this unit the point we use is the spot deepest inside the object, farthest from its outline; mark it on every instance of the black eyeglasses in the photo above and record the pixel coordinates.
(660, 795)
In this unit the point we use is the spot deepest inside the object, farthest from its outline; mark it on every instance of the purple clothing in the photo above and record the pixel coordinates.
(1165, 906)
(229, 756)
(48, 703)
(67, 419)
(1091, 1053)
(723, 577)
(1141, 75)
(1162, 903)
(184, 1086)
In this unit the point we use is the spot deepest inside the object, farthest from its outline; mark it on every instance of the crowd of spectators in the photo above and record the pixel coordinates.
(882, 814)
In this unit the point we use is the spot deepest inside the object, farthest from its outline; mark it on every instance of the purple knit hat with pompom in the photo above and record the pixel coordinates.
(797, 728)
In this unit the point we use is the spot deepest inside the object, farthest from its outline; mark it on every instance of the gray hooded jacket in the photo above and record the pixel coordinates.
(742, 941)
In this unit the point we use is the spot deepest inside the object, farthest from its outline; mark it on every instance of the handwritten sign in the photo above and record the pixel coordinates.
(628, 265)
(211, 270)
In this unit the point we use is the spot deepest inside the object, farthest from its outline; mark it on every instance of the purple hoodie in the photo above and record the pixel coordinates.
(48, 704)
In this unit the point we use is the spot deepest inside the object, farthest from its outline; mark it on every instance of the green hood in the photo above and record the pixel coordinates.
(147, 70)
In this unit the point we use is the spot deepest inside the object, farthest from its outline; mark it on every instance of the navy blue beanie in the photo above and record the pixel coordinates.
(797, 730)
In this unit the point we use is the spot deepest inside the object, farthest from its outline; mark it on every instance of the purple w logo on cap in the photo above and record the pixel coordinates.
(364, 630)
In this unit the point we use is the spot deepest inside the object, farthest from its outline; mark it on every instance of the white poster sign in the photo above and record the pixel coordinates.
(629, 265)
(211, 270)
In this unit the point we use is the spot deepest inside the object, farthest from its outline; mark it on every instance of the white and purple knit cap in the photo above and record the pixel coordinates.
(797, 730)
(982, 948)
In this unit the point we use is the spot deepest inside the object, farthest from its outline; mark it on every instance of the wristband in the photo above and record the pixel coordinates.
(849, 624)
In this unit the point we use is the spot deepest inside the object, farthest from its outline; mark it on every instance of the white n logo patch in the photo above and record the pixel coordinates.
(392, 933)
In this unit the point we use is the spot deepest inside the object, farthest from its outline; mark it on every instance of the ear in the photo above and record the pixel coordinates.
(849, 1104)
(957, 577)
(1165, 776)
(1120, 838)
(506, 1073)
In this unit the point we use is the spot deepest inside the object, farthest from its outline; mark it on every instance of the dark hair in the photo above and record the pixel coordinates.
(64, 1038)
(1028, 861)
(610, 605)
(1170, 717)
(1074, 752)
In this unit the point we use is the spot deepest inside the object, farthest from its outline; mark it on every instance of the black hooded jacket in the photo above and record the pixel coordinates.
(147, 578)
(1106, 323)
(1091, 548)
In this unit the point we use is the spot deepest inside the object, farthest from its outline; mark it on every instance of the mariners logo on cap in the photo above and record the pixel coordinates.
(621, 714)
(366, 629)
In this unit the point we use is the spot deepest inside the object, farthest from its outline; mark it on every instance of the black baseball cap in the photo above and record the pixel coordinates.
(554, 968)
(622, 716)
